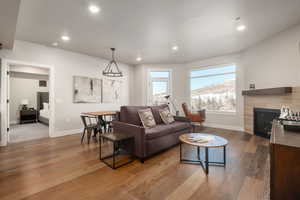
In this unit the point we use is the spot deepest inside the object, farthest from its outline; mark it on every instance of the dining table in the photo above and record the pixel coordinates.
(100, 116)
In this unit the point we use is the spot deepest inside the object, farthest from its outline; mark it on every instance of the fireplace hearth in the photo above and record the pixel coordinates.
(263, 118)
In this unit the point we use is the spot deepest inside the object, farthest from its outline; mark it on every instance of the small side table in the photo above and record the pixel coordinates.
(123, 143)
(28, 116)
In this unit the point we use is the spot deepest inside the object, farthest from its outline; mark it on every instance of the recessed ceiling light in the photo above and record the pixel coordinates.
(65, 38)
(241, 27)
(138, 59)
(94, 9)
(55, 44)
(175, 48)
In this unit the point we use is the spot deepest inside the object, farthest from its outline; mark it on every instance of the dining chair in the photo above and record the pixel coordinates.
(108, 123)
(90, 124)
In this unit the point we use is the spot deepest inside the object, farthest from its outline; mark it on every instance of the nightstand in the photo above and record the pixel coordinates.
(28, 116)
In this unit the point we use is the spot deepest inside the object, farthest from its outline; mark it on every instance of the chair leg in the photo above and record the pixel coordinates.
(95, 134)
(89, 133)
(82, 137)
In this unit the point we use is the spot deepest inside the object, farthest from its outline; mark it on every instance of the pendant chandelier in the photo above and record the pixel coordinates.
(112, 68)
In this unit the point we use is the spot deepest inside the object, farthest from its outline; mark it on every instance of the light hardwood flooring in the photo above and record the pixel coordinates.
(62, 168)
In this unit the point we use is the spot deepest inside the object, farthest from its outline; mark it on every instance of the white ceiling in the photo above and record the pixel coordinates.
(9, 10)
(149, 28)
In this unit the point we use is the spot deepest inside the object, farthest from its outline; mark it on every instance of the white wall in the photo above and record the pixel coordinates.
(21, 88)
(271, 63)
(66, 65)
(181, 88)
(139, 96)
(141, 78)
(29, 70)
(274, 62)
(230, 120)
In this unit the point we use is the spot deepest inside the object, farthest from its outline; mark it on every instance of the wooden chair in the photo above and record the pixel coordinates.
(196, 118)
(90, 124)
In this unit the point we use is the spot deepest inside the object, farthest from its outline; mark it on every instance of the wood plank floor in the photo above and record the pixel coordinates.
(62, 168)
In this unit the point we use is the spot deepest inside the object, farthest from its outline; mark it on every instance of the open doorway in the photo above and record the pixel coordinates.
(28, 107)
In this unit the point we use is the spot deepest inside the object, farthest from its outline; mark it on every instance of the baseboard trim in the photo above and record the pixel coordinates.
(228, 127)
(2, 144)
(67, 132)
(13, 122)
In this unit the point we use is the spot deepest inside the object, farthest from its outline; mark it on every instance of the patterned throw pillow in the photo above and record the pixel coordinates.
(166, 116)
(147, 118)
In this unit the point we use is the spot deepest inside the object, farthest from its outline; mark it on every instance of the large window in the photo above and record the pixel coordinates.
(159, 87)
(213, 89)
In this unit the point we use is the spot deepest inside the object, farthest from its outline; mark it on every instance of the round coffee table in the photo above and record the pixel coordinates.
(212, 141)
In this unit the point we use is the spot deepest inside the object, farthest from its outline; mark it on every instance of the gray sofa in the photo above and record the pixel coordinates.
(149, 141)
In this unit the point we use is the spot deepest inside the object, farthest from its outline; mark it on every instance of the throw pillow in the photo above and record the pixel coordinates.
(166, 116)
(147, 118)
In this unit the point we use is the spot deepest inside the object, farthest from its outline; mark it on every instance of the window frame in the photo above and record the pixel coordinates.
(213, 67)
(150, 80)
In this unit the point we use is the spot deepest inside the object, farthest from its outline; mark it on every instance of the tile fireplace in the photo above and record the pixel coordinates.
(268, 101)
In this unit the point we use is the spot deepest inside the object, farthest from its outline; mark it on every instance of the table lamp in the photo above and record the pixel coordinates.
(24, 103)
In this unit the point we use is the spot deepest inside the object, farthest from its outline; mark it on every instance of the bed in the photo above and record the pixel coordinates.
(43, 107)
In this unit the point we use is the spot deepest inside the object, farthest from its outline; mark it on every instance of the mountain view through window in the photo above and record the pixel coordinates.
(213, 89)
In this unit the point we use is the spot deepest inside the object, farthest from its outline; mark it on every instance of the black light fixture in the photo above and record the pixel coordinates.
(112, 68)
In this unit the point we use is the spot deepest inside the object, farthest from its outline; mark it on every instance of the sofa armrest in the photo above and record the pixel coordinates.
(139, 136)
(182, 119)
(127, 127)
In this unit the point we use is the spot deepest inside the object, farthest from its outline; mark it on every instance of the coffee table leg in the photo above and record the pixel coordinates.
(180, 152)
(198, 152)
(206, 160)
(99, 148)
(224, 151)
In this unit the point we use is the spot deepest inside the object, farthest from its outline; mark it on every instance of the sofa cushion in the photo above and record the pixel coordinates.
(164, 129)
(129, 114)
(158, 131)
(166, 116)
(147, 118)
(179, 126)
(155, 111)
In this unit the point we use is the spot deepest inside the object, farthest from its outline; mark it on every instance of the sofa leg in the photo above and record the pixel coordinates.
(142, 160)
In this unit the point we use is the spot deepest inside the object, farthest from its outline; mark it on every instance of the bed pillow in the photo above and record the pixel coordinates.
(147, 118)
(45, 106)
(166, 116)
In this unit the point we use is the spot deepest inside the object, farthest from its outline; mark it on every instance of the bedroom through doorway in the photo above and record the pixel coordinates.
(28, 92)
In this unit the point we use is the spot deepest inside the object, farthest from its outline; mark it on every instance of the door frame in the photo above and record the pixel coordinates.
(5, 63)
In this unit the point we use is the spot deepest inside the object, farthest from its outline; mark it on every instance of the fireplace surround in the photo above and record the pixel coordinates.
(270, 102)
